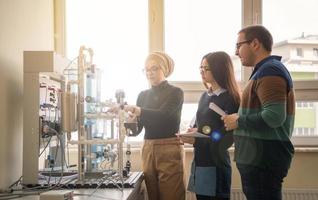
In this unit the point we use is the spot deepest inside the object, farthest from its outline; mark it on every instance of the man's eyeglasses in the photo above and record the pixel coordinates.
(204, 68)
(151, 69)
(239, 44)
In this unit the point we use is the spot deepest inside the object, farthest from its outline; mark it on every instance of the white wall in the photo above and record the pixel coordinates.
(24, 25)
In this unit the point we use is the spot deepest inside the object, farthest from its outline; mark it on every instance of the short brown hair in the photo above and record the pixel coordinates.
(260, 33)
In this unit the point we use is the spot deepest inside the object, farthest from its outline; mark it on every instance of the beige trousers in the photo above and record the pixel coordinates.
(162, 162)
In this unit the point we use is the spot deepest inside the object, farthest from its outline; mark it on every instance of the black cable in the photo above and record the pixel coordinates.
(62, 157)
(68, 156)
(18, 195)
(39, 189)
(15, 183)
(59, 145)
(55, 157)
(47, 144)
(69, 64)
(11, 197)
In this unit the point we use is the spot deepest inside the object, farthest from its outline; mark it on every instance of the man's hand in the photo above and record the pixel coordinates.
(230, 121)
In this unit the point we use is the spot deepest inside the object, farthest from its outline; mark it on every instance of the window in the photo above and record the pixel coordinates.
(304, 104)
(299, 52)
(117, 31)
(299, 35)
(306, 119)
(189, 111)
(315, 52)
(194, 28)
(304, 132)
(191, 29)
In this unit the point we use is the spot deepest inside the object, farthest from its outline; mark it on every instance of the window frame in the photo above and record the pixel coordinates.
(251, 14)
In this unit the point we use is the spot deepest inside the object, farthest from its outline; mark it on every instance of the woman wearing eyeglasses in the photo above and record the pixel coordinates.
(158, 110)
(210, 177)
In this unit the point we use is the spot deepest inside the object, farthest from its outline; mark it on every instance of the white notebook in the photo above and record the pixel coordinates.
(193, 134)
(216, 109)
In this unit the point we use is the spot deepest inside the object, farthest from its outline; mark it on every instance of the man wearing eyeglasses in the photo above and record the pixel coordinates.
(265, 120)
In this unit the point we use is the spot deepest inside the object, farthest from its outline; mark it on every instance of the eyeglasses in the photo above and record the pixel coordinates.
(239, 44)
(151, 69)
(204, 68)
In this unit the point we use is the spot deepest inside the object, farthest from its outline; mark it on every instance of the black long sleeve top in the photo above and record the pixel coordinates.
(160, 111)
(213, 152)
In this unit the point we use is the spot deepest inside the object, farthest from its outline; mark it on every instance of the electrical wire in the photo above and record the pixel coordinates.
(25, 191)
(16, 182)
(55, 157)
(45, 101)
(62, 157)
(68, 155)
(69, 64)
(70, 69)
(47, 144)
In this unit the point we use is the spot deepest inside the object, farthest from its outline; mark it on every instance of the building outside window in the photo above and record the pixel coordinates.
(299, 35)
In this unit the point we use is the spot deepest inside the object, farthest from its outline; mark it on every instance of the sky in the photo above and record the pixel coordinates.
(287, 19)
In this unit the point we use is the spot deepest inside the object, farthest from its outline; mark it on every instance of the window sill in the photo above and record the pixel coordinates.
(188, 149)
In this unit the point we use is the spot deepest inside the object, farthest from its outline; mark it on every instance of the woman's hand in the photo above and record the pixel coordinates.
(187, 139)
(134, 110)
(114, 109)
(192, 130)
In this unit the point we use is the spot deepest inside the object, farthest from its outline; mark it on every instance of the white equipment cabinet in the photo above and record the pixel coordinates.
(35, 65)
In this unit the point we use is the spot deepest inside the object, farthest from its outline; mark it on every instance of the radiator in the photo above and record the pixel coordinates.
(288, 194)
